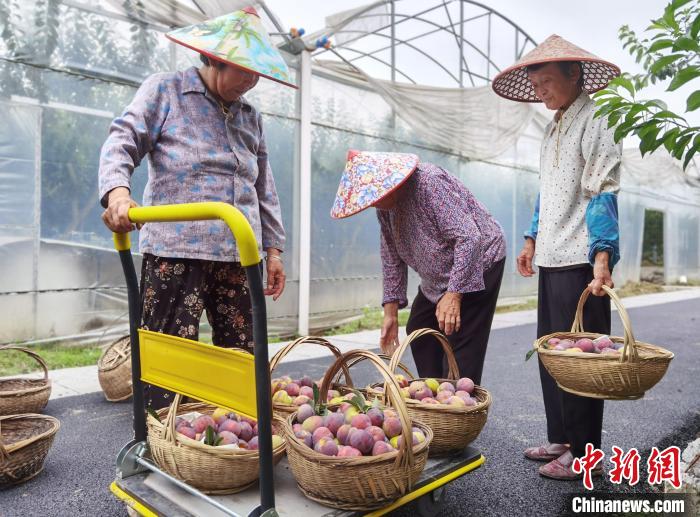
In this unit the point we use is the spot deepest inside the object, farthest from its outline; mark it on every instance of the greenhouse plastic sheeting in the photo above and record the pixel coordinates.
(61, 276)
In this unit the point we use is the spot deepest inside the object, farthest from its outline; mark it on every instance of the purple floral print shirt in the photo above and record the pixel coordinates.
(195, 153)
(440, 230)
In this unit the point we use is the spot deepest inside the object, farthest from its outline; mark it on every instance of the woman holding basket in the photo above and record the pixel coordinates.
(574, 237)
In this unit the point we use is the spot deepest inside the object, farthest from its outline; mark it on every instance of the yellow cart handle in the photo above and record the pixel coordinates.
(236, 221)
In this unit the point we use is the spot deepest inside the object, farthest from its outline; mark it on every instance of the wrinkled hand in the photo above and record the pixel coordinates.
(525, 258)
(276, 278)
(389, 337)
(601, 274)
(116, 216)
(448, 313)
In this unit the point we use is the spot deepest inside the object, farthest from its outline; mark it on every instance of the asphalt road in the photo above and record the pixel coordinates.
(80, 466)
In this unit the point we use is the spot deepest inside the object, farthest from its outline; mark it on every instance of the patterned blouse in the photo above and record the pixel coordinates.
(195, 153)
(441, 231)
(576, 212)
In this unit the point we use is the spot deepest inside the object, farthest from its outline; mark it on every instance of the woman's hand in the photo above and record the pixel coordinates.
(389, 338)
(276, 278)
(525, 258)
(116, 216)
(448, 312)
(601, 274)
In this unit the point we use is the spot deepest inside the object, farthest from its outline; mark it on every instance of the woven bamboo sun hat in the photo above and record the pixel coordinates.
(238, 39)
(368, 177)
(513, 83)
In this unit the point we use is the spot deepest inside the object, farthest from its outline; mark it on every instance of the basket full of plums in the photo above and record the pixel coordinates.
(600, 366)
(209, 448)
(454, 407)
(356, 455)
(288, 393)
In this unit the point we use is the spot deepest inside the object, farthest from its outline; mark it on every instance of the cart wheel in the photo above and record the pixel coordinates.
(431, 504)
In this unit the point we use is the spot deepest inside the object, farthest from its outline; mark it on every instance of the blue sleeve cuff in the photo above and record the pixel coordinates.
(535, 223)
(603, 227)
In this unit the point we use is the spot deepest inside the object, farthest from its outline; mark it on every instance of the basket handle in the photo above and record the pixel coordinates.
(4, 454)
(629, 350)
(405, 456)
(168, 432)
(383, 357)
(452, 368)
(310, 340)
(33, 354)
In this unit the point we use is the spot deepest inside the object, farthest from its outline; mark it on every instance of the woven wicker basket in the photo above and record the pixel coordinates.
(360, 483)
(24, 395)
(454, 427)
(625, 377)
(212, 470)
(114, 370)
(283, 410)
(25, 441)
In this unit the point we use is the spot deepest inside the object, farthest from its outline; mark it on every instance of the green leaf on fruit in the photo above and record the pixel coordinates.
(359, 403)
(210, 436)
(529, 354)
(317, 395)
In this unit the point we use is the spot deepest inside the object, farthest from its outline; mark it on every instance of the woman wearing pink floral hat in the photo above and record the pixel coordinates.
(574, 236)
(432, 223)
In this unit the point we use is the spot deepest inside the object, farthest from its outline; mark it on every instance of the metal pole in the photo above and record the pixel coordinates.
(36, 222)
(488, 51)
(393, 41)
(132, 287)
(262, 387)
(304, 193)
(461, 44)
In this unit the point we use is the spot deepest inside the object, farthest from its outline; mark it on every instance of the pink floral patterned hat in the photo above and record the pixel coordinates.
(514, 84)
(368, 177)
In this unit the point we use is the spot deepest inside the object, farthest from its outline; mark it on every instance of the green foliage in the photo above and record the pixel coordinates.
(671, 51)
(211, 438)
(319, 405)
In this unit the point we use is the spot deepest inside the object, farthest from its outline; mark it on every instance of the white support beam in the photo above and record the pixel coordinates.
(304, 193)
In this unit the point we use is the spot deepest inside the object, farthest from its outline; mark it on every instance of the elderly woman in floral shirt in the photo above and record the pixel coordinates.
(431, 222)
(204, 142)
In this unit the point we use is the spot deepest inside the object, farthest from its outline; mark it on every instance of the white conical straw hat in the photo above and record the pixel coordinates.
(514, 84)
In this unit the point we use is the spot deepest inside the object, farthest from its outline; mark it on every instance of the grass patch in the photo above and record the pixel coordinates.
(522, 306)
(56, 355)
(638, 288)
(371, 319)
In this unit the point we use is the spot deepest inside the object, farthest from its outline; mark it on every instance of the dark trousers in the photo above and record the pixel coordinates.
(570, 418)
(469, 343)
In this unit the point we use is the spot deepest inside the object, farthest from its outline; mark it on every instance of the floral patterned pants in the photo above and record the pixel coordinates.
(175, 292)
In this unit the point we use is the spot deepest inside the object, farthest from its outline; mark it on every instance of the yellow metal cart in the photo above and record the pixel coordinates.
(191, 368)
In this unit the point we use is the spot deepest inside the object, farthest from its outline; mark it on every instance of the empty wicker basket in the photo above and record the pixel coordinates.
(114, 370)
(25, 441)
(18, 395)
(626, 376)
